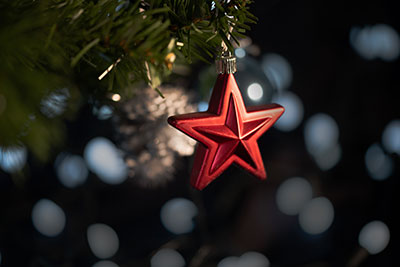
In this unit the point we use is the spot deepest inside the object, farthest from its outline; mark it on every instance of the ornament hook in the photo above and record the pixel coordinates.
(225, 62)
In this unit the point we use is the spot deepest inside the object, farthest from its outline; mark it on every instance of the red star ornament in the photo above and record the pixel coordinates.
(227, 133)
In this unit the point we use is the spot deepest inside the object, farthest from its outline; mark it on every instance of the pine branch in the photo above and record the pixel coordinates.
(51, 44)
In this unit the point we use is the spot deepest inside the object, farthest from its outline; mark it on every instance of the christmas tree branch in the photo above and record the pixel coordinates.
(52, 44)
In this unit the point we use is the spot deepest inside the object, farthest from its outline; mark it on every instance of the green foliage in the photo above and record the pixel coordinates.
(47, 45)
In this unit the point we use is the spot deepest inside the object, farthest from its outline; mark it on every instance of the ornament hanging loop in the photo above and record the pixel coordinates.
(225, 62)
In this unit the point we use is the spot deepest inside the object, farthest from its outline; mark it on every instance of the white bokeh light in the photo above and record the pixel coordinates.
(293, 194)
(103, 158)
(240, 52)
(255, 91)
(327, 159)
(293, 114)
(105, 264)
(103, 240)
(177, 215)
(202, 106)
(167, 257)
(55, 103)
(321, 133)
(391, 137)
(48, 218)
(374, 237)
(230, 261)
(317, 216)
(71, 170)
(377, 41)
(379, 165)
(104, 112)
(248, 259)
(13, 159)
(278, 71)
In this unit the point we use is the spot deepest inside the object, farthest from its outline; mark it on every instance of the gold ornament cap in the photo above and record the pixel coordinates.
(226, 63)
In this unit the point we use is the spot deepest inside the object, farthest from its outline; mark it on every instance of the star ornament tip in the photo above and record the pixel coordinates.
(227, 133)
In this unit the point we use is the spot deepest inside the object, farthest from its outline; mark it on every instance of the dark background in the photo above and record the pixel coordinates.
(237, 213)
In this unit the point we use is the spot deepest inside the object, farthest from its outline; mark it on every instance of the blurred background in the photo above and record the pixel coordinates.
(117, 192)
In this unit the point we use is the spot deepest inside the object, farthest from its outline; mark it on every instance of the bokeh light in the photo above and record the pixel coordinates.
(255, 91)
(317, 216)
(379, 165)
(202, 106)
(105, 264)
(177, 215)
(103, 158)
(254, 85)
(104, 112)
(293, 194)
(167, 257)
(374, 237)
(320, 133)
(278, 70)
(13, 159)
(327, 159)
(231, 261)
(55, 103)
(378, 41)
(391, 137)
(248, 259)
(116, 97)
(240, 52)
(71, 170)
(294, 111)
(103, 240)
(48, 218)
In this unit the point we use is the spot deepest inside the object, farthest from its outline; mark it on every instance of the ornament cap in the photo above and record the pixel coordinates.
(226, 63)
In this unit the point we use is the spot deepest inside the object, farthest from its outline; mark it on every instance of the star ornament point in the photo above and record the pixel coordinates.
(227, 133)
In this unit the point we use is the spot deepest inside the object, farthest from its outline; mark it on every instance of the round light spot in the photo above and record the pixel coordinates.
(253, 259)
(248, 259)
(167, 257)
(379, 165)
(71, 170)
(317, 216)
(293, 114)
(293, 194)
(55, 103)
(103, 240)
(255, 91)
(105, 264)
(378, 41)
(391, 137)
(240, 52)
(202, 106)
(321, 133)
(13, 159)
(328, 159)
(104, 112)
(229, 262)
(374, 237)
(116, 97)
(103, 158)
(278, 70)
(177, 215)
(48, 218)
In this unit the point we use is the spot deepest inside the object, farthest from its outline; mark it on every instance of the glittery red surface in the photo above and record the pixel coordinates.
(227, 133)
